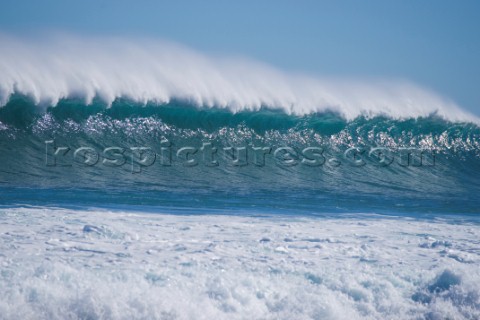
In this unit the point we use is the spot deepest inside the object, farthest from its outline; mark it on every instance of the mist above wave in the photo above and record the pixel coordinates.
(53, 68)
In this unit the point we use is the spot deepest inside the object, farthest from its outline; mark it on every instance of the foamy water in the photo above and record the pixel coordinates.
(59, 264)
(52, 68)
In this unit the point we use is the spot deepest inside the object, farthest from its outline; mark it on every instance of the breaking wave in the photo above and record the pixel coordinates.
(92, 94)
(53, 68)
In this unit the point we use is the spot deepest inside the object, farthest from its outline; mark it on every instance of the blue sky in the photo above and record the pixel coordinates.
(433, 43)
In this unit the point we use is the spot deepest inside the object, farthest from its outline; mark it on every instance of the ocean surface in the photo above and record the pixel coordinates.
(128, 155)
(167, 185)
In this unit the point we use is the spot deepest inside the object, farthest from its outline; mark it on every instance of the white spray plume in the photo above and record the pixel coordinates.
(56, 67)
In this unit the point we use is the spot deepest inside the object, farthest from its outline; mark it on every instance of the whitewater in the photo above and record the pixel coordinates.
(59, 264)
(56, 67)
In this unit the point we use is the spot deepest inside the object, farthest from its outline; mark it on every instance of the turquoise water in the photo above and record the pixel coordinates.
(340, 175)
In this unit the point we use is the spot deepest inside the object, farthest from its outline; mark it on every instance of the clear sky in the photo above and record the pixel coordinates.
(433, 43)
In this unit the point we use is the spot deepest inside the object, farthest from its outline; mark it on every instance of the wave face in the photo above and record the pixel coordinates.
(75, 154)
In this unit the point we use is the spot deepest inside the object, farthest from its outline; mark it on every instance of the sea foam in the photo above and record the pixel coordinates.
(52, 68)
(57, 264)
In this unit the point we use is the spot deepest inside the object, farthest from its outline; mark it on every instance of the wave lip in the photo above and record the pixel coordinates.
(59, 67)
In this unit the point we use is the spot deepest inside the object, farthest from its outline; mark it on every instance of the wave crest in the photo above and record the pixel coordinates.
(59, 67)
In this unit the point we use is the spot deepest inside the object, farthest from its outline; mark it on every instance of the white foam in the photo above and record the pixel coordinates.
(51, 68)
(58, 264)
